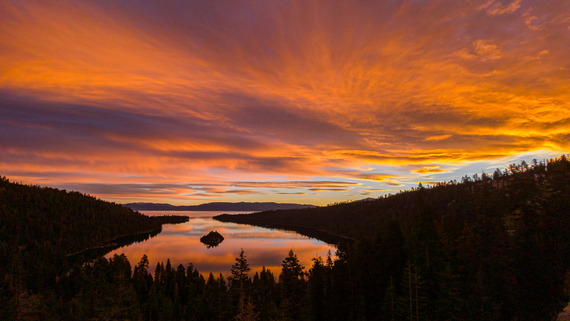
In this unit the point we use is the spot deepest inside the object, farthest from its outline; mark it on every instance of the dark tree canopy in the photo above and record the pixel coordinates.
(484, 249)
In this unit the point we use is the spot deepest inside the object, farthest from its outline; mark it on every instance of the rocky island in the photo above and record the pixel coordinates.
(212, 239)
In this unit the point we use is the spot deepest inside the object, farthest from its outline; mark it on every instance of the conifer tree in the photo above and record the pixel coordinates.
(246, 310)
(239, 273)
(292, 281)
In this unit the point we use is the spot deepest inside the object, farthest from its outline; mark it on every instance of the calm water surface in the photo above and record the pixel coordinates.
(181, 244)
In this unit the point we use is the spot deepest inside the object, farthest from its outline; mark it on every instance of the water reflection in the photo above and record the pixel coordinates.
(263, 247)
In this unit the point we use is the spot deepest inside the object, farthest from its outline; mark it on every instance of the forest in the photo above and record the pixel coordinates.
(489, 247)
(44, 232)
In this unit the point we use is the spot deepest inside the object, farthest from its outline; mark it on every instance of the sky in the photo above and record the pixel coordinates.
(313, 102)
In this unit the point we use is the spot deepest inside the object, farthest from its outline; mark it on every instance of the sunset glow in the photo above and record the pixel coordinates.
(264, 247)
(187, 102)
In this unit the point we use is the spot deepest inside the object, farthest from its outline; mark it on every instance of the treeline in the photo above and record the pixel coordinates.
(486, 248)
(171, 219)
(112, 290)
(43, 231)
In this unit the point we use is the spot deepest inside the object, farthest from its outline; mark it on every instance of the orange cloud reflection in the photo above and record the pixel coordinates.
(263, 247)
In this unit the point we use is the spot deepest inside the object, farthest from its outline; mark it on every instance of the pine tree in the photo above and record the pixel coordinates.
(316, 289)
(292, 281)
(246, 310)
(265, 294)
(389, 306)
(240, 273)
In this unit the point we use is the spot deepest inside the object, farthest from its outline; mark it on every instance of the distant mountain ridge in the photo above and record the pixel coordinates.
(218, 206)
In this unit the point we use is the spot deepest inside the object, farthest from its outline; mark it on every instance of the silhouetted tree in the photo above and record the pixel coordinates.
(292, 282)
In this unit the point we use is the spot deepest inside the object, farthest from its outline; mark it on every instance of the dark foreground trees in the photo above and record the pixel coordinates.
(483, 249)
(110, 289)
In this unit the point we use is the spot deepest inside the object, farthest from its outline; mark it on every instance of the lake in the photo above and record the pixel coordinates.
(262, 246)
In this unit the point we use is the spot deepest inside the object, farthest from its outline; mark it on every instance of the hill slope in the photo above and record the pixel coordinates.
(492, 248)
(40, 227)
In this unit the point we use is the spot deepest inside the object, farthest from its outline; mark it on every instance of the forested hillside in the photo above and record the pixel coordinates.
(486, 248)
(40, 227)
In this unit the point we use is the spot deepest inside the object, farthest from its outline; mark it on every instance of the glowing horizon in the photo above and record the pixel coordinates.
(304, 101)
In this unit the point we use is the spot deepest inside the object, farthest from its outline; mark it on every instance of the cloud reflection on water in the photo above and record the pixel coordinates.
(263, 247)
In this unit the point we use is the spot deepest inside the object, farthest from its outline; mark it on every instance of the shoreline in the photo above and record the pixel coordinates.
(321, 235)
(112, 242)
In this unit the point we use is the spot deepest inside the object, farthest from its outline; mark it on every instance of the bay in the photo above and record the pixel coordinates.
(180, 243)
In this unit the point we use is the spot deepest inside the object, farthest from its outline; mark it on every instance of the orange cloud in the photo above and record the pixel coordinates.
(429, 169)
(168, 93)
(498, 7)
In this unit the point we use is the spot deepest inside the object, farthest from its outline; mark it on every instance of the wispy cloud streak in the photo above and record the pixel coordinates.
(164, 92)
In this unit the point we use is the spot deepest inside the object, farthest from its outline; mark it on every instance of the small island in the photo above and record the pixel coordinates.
(212, 239)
